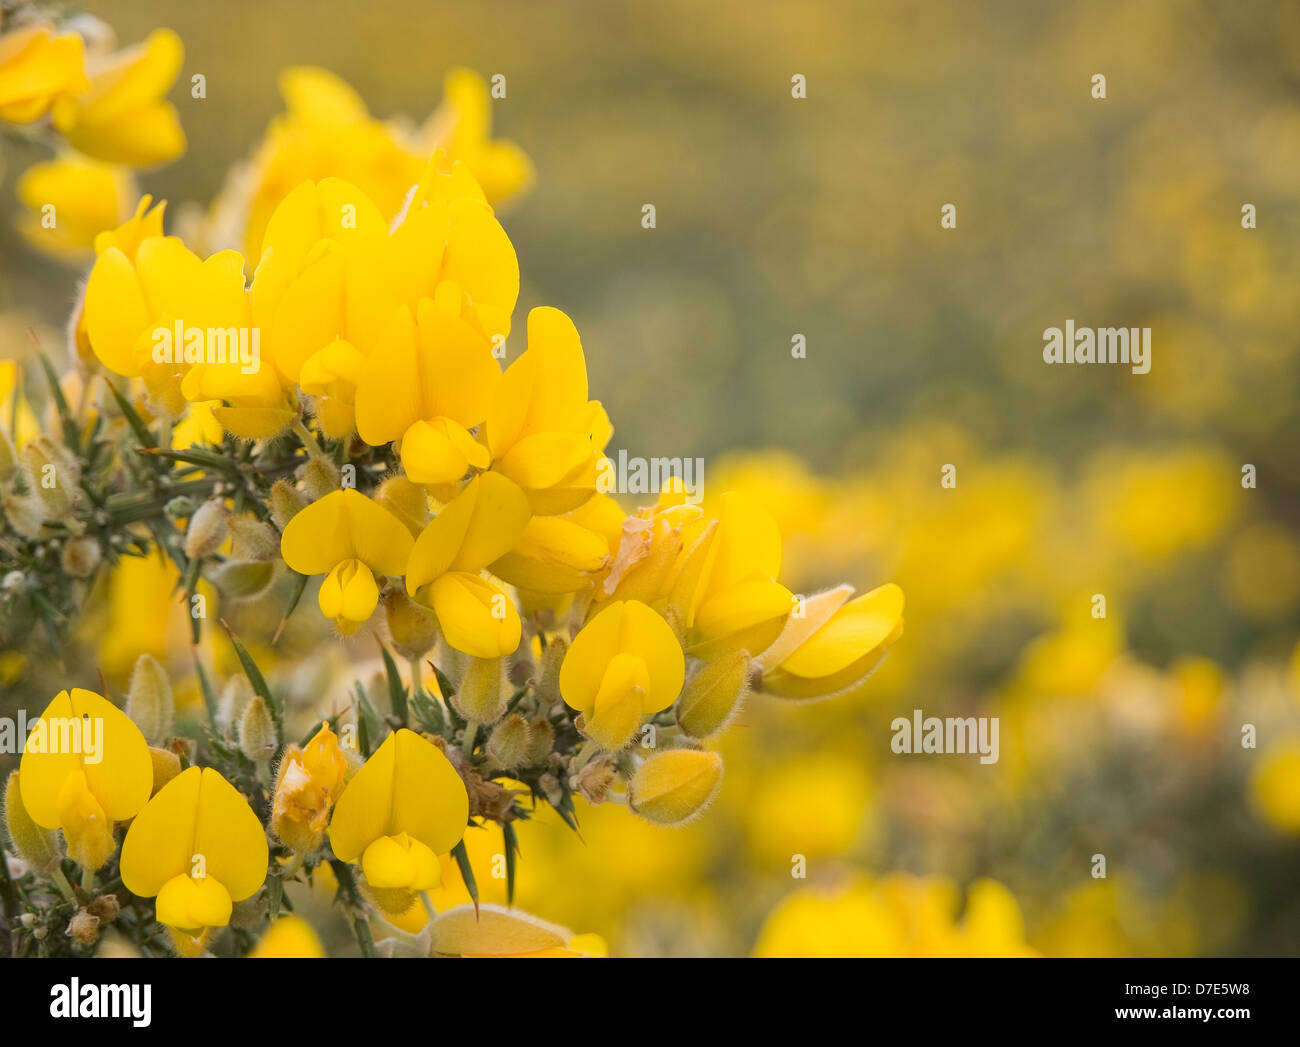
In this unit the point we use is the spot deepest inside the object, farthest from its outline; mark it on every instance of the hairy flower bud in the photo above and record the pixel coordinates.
(38, 847)
(257, 731)
(319, 476)
(207, 529)
(541, 741)
(25, 513)
(482, 693)
(243, 578)
(149, 701)
(674, 786)
(286, 502)
(253, 539)
(53, 474)
(714, 694)
(548, 673)
(412, 627)
(509, 743)
(235, 697)
(8, 457)
(405, 500)
(166, 766)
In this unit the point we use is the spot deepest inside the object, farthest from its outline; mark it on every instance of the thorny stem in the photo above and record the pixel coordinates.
(348, 888)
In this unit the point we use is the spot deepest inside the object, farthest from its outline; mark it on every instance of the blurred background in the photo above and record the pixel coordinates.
(820, 216)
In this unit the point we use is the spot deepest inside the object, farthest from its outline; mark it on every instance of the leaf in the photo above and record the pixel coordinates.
(258, 681)
(512, 851)
(142, 434)
(466, 871)
(396, 691)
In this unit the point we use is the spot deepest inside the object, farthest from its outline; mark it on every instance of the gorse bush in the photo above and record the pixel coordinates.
(340, 413)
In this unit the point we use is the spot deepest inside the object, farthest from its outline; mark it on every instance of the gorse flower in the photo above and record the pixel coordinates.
(37, 66)
(198, 847)
(403, 808)
(122, 116)
(307, 784)
(348, 538)
(624, 664)
(85, 765)
(478, 526)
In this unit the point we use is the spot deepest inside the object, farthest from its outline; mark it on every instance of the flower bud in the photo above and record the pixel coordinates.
(509, 743)
(412, 627)
(541, 742)
(53, 474)
(8, 457)
(714, 694)
(235, 697)
(149, 701)
(674, 786)
(319, 476)
(253, 539)
(25, 513)
(405, 500)
(166, 766)
(548, 673)
(37, 846)
(482, 693)
(81, 557)
(243, 578)
(257, 731)
(207, 529)
(286, 502)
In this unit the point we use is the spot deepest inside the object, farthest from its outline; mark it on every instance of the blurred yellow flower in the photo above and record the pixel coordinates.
(36, 68)
(122, 116)
(71, 201)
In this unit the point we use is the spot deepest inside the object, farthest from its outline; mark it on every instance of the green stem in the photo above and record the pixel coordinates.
(88, 880)
(61, 882)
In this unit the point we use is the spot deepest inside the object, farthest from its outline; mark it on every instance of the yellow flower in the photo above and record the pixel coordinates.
(289, 938)
(350, 539)
(623, 665)
(555, 555)
(198, 847)
(475, 528)
(306, 786)
(403, 808)
(462, 125)
(36, 67)
(497, 931)
(86, 197)
(833, 646)
(1275, 786)
(542, 431)
(85, 765)
(428, 382)
(897, 916)
(326, 132)
(724, 590)
(122, 116)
